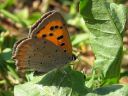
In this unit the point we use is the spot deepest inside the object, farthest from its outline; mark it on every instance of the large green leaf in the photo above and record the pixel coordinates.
(106, 23)
(66, 82)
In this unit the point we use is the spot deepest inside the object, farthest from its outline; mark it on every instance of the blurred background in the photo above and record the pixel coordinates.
(17, 16)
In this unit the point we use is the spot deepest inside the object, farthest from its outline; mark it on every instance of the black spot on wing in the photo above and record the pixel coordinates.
(49, 56)
(52, 28)
(62, 44)
(51, 34)
(28, 60)
(56, 50)
(61, 27)
(56, 27)
(65, 50)
(44, 35)
(60, 37)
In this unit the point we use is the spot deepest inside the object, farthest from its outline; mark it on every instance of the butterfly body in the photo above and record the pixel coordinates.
(48, 45)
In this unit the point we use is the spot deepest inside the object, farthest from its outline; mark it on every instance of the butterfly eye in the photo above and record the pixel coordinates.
(73, 57)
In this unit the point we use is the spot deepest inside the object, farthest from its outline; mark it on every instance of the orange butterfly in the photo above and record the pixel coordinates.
(48, 45)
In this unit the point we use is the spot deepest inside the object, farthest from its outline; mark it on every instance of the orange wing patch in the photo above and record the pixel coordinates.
(56, 32)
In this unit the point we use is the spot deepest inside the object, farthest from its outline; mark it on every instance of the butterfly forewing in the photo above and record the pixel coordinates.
(54, 29)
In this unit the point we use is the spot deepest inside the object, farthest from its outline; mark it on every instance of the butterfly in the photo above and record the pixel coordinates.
(47, 46)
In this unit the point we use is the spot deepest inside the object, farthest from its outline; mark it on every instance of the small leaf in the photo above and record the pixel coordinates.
(13, 17)
(80, 38)
(6, 54)
(114, 90)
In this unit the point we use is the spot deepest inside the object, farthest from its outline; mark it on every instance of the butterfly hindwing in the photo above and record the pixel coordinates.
(35, 54)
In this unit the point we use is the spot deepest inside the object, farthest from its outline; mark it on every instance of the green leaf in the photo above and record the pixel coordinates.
(28, 89)
(34, 16)
(13, 17)
(2, 29)
(77, 39)
(106, 39)
(114, 90)
(120, 1)
(6, 3)
(6, 54)
(5, 93)
(118, 13)
(23, 16)
(6, 41)
(66, 82)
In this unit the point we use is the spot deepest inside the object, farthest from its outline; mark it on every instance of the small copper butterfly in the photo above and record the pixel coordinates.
(47, 46)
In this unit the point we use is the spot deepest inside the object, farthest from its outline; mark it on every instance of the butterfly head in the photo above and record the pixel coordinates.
(74, 57)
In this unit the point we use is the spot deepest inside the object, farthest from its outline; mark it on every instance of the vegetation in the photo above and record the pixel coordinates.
(98, 31)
